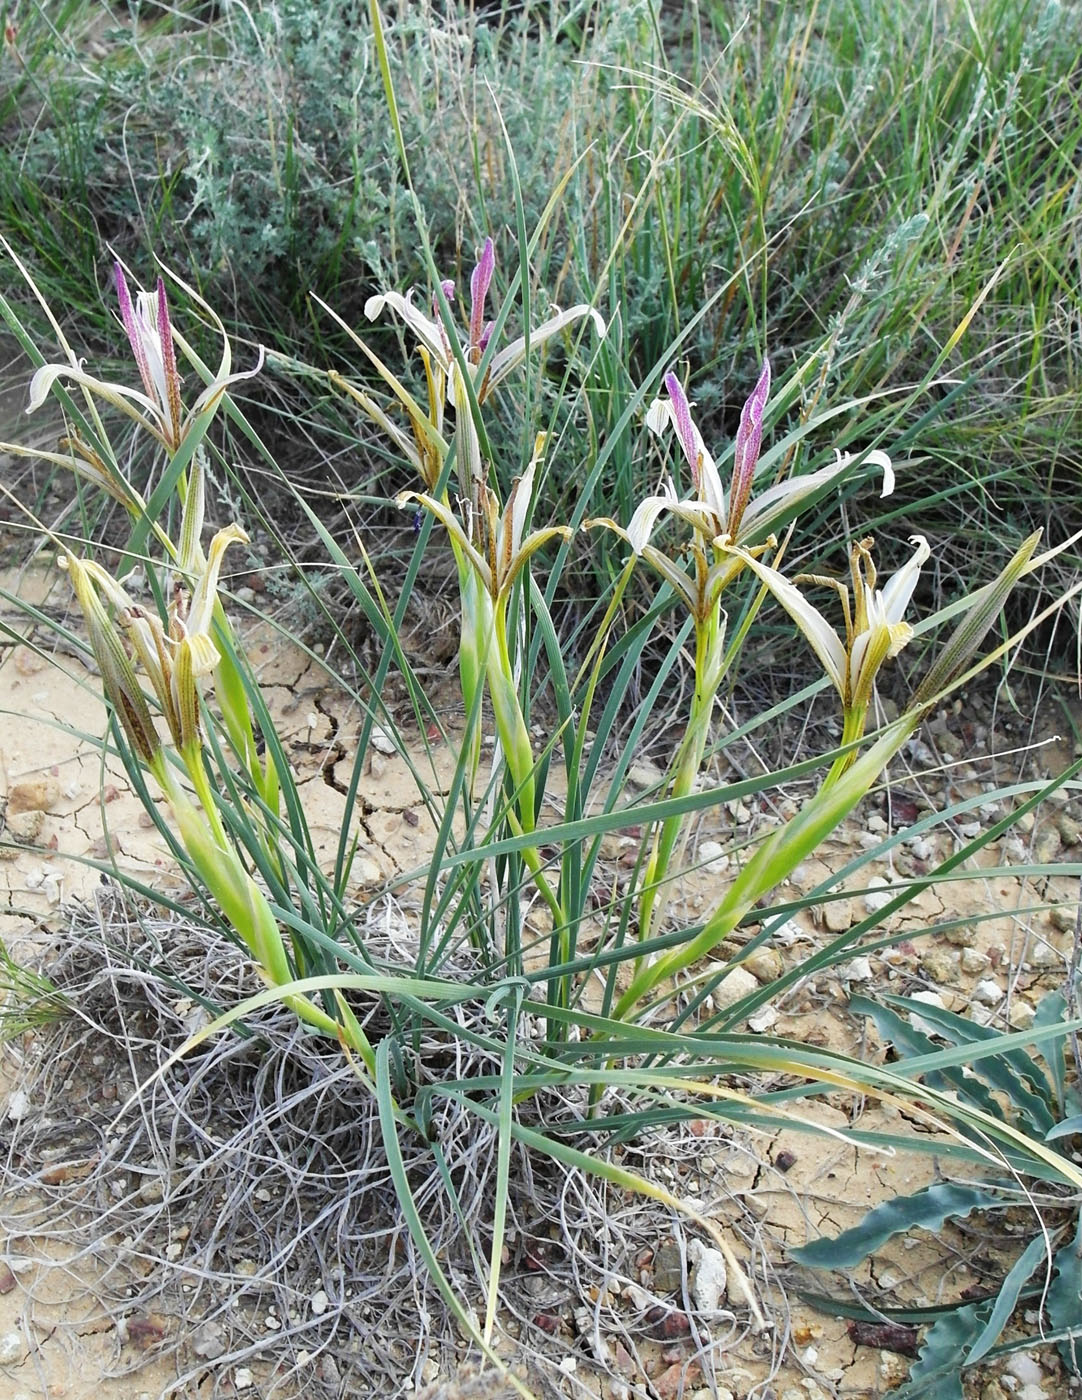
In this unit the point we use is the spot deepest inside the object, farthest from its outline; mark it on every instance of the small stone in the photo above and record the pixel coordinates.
(1047, 845)
(242, 1378)
(856, 970)
(974, 961)
(1021, 1015)
(962, 937)
(736, 984)
(709, 1279)
(645, 775)
(244, 594)
(173, 1251)
(790, 932)
(24, 827)
(928, 999)
(838, 915)
(382, 742)
(1031, 1391)
(1069, 830)
(893, 1369)
(11, 1348)
(1063, 917)
(366, 871)
(920, 848)
(968, 830)
(1044, 954)
(18, 1105)
(988, 992)
(7, 1278)
(152, 1191)
(878, 895)
(32, 795)
(668, 1269)
(319, 1302)
(763, 1020)
(713, 858)
(1025, 1367)
(941, 965)
(764, 964)
(207, 1341)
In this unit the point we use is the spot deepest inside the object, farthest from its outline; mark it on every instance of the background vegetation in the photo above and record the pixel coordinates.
(884, 194)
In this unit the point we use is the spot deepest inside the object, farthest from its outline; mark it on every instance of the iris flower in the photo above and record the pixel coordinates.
(718, 518)
(875, 626)
(432, 334)
(157, 406)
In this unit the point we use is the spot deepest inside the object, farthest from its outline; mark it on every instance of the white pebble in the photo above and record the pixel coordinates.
(856, 970)
(709, 1280)
(18, 1105)
(713, 857)
(763, 1019)
(319, 1302)
(11, 1348)
(879, 894)
(988, 992)
(790, 932)
(242, 1378)
(1025, 1366)
(382, 742)
(929, 999)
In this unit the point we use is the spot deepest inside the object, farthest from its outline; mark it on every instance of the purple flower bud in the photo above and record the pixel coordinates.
(685, 428)
(448, 287)
(749, 437)
(169, 363)
(480, 281)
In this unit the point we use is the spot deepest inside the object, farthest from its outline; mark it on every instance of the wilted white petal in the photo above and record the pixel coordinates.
(513, 354)
(766, 510)
(897, 592)
(642, 523)
(118, 394)
(659, 416)
(430, 333)
(880, 459)
(822, 638)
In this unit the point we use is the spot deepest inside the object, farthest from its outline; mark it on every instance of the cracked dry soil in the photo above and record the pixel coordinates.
(64, 803)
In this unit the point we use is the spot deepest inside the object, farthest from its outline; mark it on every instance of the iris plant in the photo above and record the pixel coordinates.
(730, 530)
(488, 538)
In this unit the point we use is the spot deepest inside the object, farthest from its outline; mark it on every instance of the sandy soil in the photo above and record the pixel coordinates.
(68, 810)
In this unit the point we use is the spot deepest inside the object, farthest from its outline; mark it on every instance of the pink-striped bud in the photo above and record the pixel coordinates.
(685, 428)
(480, 281)
(749, 438)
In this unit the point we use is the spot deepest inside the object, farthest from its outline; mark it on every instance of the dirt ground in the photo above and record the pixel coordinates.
(66, 806)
